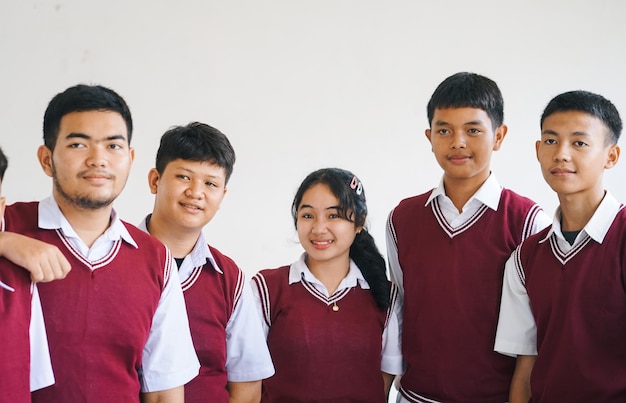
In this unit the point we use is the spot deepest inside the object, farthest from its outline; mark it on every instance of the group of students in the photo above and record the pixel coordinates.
(488, 301)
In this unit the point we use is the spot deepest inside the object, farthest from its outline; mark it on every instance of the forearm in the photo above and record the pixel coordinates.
(387, 382)
(520, 383)
(175, 395)
(244, 392)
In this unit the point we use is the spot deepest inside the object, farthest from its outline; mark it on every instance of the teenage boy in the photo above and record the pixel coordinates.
(563, 309)
(25, 363)
(193, 166)
(116, 324)
(447, 249)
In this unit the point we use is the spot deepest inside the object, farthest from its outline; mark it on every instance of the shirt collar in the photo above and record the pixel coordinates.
(51, 217)
(299, 270)
(198, 256)
(488, 193)
(597, 226)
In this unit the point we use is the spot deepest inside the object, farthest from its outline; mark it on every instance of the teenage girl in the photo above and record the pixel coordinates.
(330, 317)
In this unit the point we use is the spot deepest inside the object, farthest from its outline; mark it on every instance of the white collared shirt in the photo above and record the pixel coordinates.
(391, 361)
(169, 359)
(247, 356)
(517, 331)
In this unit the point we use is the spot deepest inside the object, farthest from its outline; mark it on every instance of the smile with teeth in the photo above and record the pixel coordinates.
(322, 244)
(189, 206)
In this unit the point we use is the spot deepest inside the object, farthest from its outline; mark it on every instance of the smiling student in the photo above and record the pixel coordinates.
(563, 307)
(116, 324)
(330, 317)
(193, 166)
(447, 249)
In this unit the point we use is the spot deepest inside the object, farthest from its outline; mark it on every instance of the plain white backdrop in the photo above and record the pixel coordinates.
(300, 85)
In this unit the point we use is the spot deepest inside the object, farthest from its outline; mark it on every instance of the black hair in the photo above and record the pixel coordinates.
(82, 98)
(196, 142)
(587, 102)
(468, 90)
(4, 163)
(348, 189)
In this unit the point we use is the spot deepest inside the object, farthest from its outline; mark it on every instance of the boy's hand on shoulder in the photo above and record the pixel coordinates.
(43, 261)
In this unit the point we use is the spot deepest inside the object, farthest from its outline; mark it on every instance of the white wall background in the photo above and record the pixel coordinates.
(298, 85)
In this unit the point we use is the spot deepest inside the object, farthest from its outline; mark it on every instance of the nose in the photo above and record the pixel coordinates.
(97, 157)
(194, 190)
(319, 226)
(562, 152)
(458, 140)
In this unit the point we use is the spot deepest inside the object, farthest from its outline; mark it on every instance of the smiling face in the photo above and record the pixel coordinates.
(463, 140)
(324, 235)
(188, 193)
(91, 160)
(574, 152)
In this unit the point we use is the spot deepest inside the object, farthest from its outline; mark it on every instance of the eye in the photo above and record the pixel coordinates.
(333, 216)
(474, 130)
(580, 143)
(116, 146)
(306, 216)
(550, 141)
(443, 131)
(76, 145)
(210, 184)
(183, 177)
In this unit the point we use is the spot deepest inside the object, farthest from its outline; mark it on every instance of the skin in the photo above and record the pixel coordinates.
(43, 261)
(573, 153)
(188, 194)
(463, 141)
(244, 392)
(89, 167)
(175, 395)
(325, 236)
(520, 383)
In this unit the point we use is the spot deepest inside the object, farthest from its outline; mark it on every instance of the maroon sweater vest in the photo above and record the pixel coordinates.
(14, 334)
(452, 289)
(210, 298)
(579, 304)
(97, 321)
(320, 355)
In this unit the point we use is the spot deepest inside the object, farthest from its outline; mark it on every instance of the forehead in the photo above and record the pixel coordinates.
(319, 195)
(208, 168)
(96, 124)
(571, 122)
(460, 116)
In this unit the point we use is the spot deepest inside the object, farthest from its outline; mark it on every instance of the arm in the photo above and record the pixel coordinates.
(45, 262)
(387, 381)
(520, 383)
(175, 395)
(244, 392)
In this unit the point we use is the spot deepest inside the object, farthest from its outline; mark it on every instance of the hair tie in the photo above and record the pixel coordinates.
(356, 185)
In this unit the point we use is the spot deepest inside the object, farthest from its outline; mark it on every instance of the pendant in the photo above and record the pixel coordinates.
(335, 307)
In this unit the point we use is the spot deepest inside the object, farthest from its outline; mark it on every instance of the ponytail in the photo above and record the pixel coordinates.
(372, 264)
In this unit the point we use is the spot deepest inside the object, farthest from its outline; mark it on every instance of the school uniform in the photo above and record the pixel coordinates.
(567, 305)
(225, 327)
(25, 359)
(326, 348)
(449, 267)
(116, 323)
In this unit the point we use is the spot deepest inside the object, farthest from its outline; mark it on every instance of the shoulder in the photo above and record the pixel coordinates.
(277, 274)
(511, 199)
(224, 262)
(410, 204)
(142, 238)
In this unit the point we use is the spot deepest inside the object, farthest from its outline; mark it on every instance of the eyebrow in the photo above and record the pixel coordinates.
(470, 123)
(84, 136)
(327, 208)
(553, 133)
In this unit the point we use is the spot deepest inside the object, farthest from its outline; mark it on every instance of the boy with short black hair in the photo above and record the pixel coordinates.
(570, 344)
(193, 166)
(447, 249)
(116, 324)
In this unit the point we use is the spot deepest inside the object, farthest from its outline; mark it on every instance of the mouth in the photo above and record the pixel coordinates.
(562, 171)
(322, 244)
(458, 159)
(191, 206)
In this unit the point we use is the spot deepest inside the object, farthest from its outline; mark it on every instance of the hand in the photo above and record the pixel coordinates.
(44, 261)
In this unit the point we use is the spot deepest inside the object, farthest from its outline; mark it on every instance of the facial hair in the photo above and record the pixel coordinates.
(83, 202)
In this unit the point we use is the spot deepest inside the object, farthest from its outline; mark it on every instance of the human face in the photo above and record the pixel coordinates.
(463, 140)
(91, 159)
(324, 235)
(574, 152)
(188, 193)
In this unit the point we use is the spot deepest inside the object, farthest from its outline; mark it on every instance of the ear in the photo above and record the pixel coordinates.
(427, 133)
(153, 180)
(2, 205)
(499, 136)
(131, 153)
(613, 156)
(537, 143)
(44, 156)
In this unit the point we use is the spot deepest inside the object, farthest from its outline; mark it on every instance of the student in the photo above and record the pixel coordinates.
(108, 330)
(330, 317)
(572, 273)
(193, 166)
(447, 249)
(25, 360)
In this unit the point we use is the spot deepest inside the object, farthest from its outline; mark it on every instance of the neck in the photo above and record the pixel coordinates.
(330, 273)
(459, 191)
(89, 224)
(577, 210)
(180, 242)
